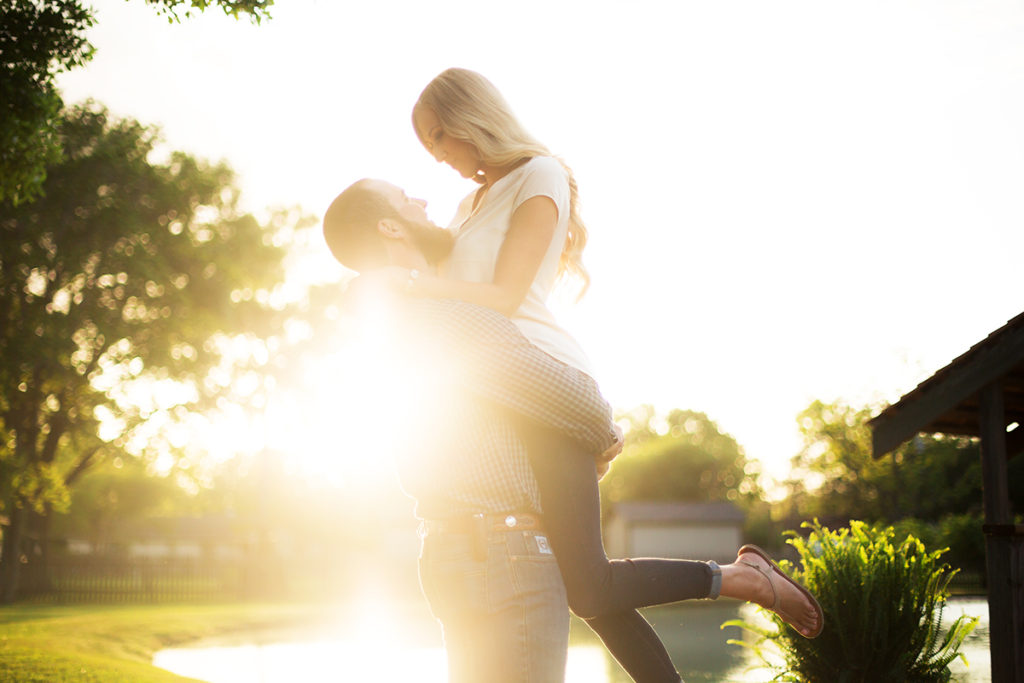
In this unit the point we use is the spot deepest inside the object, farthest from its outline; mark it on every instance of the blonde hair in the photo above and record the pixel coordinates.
(470, 108)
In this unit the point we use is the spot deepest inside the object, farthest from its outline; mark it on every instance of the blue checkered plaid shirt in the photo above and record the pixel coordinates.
(483, 375)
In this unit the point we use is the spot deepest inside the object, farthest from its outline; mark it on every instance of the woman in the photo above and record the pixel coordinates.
(515, 236)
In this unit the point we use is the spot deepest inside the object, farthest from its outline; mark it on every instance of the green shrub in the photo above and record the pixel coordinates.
(963, 536)
(925, 531)
(960, 534)
(883, 608)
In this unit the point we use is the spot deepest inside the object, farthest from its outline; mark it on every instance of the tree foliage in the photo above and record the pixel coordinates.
(120, 492)
(835, 476)
(120, 291)
(38, 40)
(690, 460)
(930, 487)
(257, 10)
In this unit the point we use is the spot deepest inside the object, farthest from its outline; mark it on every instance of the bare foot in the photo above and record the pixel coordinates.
(779, 593)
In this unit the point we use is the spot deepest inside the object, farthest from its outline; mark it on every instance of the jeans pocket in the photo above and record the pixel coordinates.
(537, 574)
(454, 584)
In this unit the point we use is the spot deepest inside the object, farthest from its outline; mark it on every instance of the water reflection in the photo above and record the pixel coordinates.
(372, 642)
(975, 647)
(698, 645)
(333, 661)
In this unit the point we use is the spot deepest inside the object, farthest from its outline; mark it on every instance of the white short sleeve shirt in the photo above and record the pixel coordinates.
(479, 236)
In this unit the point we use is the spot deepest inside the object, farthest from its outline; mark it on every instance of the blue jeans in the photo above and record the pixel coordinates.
(503, 611)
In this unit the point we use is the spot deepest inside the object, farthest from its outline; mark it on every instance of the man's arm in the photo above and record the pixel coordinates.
(497, 363)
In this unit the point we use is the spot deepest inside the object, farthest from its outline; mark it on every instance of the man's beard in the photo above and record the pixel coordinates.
(435, 243)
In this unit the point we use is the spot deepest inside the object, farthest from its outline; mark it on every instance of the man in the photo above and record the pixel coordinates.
(486, 567)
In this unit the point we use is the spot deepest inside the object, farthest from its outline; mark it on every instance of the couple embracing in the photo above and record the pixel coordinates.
(507, 492)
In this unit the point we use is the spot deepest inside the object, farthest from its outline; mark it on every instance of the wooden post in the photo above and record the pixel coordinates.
(1001, 556)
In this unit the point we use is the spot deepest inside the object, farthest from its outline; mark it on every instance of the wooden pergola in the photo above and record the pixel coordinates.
(980, 394)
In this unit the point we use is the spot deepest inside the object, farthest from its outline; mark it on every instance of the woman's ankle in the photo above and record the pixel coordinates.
(742, 582)
(716, 580)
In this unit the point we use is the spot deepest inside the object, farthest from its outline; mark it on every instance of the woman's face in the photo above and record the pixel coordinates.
(459, 154)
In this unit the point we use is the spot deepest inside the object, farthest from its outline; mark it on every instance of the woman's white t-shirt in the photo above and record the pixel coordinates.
(479, 236)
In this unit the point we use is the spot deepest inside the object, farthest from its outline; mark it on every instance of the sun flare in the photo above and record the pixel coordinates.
(352, 406)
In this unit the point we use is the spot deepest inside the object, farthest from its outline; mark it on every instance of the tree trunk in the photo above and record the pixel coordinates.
(10, 562)
(36, 573)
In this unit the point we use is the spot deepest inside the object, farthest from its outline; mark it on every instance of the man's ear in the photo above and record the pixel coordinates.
(389, 228)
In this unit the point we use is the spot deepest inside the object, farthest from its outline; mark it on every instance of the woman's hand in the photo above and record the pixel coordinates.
(603, 462)
(615, 448)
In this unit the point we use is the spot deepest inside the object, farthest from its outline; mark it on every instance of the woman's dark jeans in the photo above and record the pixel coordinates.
(606, 593)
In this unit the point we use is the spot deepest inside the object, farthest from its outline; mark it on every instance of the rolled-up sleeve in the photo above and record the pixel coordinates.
(491, 358)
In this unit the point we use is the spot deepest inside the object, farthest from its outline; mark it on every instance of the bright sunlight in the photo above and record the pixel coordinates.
(344, 410)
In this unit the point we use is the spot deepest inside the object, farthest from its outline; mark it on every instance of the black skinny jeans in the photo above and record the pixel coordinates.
(606, 593)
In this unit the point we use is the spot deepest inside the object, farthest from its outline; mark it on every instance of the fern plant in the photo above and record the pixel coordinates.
(882, 604)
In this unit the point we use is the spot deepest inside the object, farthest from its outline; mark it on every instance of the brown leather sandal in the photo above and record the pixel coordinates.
(777, 602)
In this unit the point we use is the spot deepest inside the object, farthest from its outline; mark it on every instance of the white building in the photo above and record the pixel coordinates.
(693, 531)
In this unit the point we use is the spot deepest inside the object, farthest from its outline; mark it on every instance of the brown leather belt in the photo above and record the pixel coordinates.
(514, 521)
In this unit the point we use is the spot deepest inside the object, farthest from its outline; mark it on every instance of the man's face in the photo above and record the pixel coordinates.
(411, 211)
(435, 242)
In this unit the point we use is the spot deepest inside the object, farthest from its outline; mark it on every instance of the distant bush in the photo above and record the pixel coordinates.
(960, 534)
(882, 603)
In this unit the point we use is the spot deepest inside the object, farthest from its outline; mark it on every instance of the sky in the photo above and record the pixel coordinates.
(787, 201)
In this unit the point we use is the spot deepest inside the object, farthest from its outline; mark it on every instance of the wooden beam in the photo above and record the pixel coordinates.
(1004, 556)
(1014, 439)
(994, 477)
(1006, 645)
(947, 388)
(1015, 442)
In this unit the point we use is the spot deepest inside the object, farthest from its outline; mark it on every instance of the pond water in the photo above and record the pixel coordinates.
(403, 644)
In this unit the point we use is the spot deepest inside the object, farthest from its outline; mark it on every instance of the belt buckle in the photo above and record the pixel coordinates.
(511, 521)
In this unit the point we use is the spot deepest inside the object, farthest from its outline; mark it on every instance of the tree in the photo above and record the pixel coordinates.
(692, 461)
(836, 478)
(38, 40)
(120, 492)
(929, 487)
(119, 292)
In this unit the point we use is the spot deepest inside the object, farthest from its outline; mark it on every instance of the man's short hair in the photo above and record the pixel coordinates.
(350, 227)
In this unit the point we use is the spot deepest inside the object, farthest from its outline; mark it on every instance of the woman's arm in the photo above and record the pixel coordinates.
(529, 235)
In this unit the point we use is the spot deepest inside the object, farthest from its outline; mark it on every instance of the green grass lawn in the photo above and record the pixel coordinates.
(50, 644)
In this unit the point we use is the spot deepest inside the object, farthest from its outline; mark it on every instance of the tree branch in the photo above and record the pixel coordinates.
(80, 467)
(58, 426)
